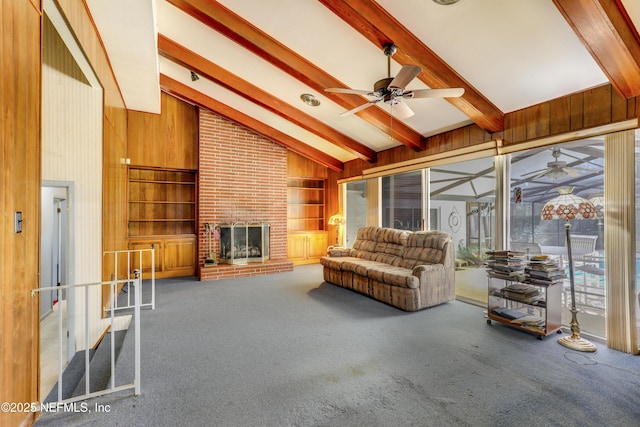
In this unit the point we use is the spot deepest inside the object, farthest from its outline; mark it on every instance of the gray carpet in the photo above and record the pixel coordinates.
(290, 350)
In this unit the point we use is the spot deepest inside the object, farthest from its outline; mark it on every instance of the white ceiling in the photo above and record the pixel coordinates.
(515, 53)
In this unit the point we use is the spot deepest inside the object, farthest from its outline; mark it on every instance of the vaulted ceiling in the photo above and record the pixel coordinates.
(255, 58)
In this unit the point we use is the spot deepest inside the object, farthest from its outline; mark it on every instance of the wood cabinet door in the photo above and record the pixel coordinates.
(318, 243)
(180, 256)
(297, 247)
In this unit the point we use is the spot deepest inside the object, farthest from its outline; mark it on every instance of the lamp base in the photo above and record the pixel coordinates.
(577, 343)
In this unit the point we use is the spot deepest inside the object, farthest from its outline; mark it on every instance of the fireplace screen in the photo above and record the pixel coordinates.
(243, 242)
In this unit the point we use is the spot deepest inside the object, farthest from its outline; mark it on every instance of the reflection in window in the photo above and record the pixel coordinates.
(356, 209)
(402, 201)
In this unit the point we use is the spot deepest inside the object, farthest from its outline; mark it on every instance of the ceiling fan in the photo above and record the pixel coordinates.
(557, 168)
(391, 90)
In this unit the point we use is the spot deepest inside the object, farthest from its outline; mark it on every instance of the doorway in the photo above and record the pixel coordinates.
(55, 310)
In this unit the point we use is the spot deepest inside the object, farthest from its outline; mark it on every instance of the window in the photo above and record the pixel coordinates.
(356, 209)
(536, 177)
(402, 201)
(463, 193)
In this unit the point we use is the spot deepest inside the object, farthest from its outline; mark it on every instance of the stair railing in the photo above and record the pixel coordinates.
(135, 253)
(112, 388)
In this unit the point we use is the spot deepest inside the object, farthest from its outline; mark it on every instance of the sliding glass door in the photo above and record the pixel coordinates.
(462, 195)
(356, 209)
(537, 176)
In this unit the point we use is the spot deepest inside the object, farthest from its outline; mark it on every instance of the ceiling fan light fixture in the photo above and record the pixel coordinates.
(445, 2)
(310, 100)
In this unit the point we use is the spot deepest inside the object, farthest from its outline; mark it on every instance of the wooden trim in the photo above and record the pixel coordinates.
(461, 154)
(223, 20)
(607, 32)
(182, 91)
(592, 112)
(205, 68)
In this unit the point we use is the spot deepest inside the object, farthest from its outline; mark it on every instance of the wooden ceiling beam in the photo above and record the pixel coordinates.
(188, 94)
(205, 68)
(380, 27)
(224, 21)
(607, 32)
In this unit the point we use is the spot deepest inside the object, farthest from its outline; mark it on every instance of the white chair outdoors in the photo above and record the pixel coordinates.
(580, 245)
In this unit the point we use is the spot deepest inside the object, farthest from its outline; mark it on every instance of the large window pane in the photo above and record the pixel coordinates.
(536, 177)
(402, 201)
(356, 209)
(462, 194)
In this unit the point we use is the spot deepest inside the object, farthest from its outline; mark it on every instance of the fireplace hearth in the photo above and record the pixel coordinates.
(243, 242)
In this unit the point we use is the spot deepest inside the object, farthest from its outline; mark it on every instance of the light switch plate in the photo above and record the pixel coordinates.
(18, 226)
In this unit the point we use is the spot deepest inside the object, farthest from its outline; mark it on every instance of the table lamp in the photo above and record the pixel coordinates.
(337, 220)
(568, 206)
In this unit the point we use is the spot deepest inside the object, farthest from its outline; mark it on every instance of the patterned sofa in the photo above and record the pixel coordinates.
(408, 270)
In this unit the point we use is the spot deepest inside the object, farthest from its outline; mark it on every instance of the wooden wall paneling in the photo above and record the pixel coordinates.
(559, 113)
(579, 111)
(597, 106)
(538, 121)
(169, 139)
(576, 103)
(620, 107)
(19, 191)
(519, 126)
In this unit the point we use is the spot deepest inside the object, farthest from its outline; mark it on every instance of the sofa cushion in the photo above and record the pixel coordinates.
(394, 276)
(425, 247)
(391, 235)
(334, 263)
(358, 265)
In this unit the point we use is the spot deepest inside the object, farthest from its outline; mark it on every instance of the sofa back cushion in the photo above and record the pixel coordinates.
(380, 244)
(364, 246)
(390, 245)
(425, 247)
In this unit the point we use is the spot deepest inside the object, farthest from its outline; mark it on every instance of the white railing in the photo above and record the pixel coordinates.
(112, 388)
(137, 253)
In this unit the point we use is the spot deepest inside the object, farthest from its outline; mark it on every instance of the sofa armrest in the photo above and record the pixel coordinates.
(429, 273)
(333, 251)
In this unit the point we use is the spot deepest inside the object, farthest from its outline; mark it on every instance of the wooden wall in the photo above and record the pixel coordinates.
(584, 110)
(19, 191)
(166, 140)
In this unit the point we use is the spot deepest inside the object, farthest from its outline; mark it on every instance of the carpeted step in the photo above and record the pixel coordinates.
(71, 377)
(100, 364)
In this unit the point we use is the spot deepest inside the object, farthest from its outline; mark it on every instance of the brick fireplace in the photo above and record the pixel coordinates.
(242, 178)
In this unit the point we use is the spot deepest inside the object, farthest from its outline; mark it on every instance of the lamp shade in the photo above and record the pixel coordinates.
(336, 219)
(568, 206)
(598, 203)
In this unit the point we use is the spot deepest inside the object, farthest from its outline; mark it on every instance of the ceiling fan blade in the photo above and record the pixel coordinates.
(348, 91)
(540, 175)
(401, 110)
(435, 93)
(404, 76)
(571, 171)
(359, 108)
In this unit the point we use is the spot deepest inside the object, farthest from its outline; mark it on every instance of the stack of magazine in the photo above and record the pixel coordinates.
(508, 265)
(542, 270)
